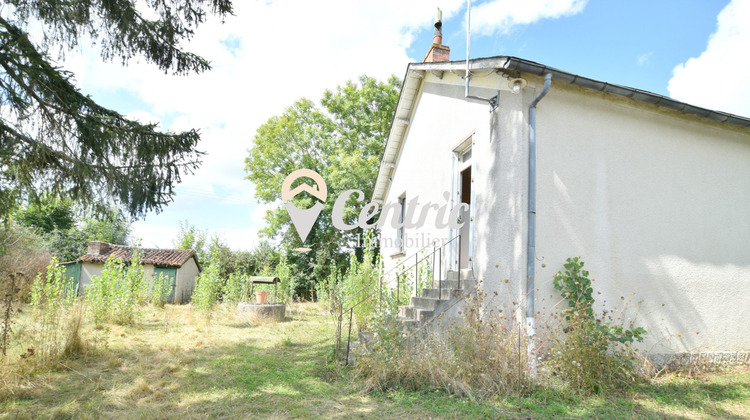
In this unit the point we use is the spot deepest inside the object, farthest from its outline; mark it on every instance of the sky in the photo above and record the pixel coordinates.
(272, 53)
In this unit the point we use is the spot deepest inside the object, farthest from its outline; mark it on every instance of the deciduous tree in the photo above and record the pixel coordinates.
(343, 141)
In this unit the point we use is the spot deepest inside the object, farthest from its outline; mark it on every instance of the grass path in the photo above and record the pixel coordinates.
(174, 364)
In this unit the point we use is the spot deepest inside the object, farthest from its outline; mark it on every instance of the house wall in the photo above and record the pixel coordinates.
(185, 283)
(91, 270)
(656, 204)
(425, 165)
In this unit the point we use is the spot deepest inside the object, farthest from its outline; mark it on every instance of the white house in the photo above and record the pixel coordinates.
(652, 193)
(180, 265)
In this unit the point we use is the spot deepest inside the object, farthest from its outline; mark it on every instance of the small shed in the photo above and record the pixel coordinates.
(180, 265)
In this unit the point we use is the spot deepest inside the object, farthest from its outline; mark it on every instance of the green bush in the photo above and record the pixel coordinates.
(161, 286)
(360, 288)
(208, 290)
(52, 299)
(112, 295)
(593, 353)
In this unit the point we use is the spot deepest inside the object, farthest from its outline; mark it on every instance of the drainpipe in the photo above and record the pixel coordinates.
(531, 242)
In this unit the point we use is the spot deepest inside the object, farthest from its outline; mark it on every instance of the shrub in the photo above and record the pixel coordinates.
(52, 298)
(481, 355)
(112, 295)
(135, 278)
(360, 287)
(161, 285)
(237, 288)
(593, 352)
(288, 282)
(208, 290)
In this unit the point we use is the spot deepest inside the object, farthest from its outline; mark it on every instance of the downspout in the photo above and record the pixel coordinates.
(531, 241)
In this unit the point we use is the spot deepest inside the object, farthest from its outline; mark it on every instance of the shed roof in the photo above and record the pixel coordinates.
(159, 257)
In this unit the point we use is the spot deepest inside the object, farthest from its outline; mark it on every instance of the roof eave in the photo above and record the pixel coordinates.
(406, 105)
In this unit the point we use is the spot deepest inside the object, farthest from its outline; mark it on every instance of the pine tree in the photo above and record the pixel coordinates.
(54, 140)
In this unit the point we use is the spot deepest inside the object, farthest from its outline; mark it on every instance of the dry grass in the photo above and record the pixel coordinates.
(172, 363)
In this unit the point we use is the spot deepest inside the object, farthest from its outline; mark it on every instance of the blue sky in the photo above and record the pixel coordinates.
(272, 53)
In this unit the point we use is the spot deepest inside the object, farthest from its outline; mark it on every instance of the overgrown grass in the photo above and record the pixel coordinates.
(171, 363)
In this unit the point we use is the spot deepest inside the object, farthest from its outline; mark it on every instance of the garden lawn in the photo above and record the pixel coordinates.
(174, 363)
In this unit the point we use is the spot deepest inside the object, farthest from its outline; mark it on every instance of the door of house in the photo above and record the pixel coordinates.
(466, 218)
(462, 251)
(73, 277)
(171, 273)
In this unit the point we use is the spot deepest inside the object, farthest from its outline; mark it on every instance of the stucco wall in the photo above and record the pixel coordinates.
(186, 281)
(655, 203)
(439, 123)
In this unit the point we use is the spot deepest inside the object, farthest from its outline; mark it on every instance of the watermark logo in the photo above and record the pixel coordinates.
(304, 219)
(402, 214)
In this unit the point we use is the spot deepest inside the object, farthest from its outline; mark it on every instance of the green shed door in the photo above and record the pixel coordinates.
(171, 273)
(73, 277)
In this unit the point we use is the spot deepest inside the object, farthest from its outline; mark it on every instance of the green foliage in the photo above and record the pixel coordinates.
(593, 354)
(47, 215)
(343, 142)
(52, 298)
(360, 287)
(250, 263)
(575, 286)
(160, 288)
(208, 290)
(189, 237)
(110, 295)
(114, 295)
(65, 232)
(59, 141)
(136, 280)
(287, 285)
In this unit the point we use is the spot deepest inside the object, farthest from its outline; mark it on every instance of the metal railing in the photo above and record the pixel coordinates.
(435, 257)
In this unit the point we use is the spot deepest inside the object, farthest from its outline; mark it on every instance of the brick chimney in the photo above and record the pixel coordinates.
(438, 51)
(97, 248)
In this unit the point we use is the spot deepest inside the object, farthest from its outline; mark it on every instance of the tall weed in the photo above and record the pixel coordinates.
(593, 351)
(52, 298)
(112, 296)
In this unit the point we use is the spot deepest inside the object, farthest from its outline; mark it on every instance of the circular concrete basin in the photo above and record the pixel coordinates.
(275, 311)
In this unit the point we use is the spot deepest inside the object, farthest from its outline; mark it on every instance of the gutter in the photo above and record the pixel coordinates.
(531, 240)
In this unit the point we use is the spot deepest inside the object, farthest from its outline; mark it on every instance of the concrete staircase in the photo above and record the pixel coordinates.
(433, 301)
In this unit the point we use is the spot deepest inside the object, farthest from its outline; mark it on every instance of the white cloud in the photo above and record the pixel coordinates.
(264, 58)
(644, 59)
(500, 16)
(154, 235)
(717, 78)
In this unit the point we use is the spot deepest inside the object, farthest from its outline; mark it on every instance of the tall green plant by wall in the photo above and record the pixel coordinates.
(208, 290)
(52, 297)
(593, 353)
(287, 283)
(161, 286)
(136, 280)
(360, 288)
(111, 295)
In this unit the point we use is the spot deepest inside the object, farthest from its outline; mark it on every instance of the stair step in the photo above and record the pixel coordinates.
(435, 293)
(423, 315)
(406, 312)
(410, 324)
(424, 303)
